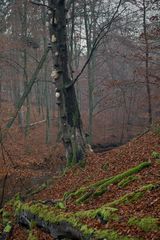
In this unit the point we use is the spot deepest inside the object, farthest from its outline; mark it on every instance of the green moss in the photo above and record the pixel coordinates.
(107, 213)
(131, 197)
(60, 205)
(84, 197)
(32, 236)
(54, 215)
(99, 183)
(32, 224)
(87, 231)
(111, 235)
(147, 224)
(70, 194)
(155, 155)
(105, 166)
(100, 187)
(5, 217)
(126, 181)
(67, 195)
(8, 228)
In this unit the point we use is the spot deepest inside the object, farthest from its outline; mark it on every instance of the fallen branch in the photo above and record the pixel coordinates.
(35, 123)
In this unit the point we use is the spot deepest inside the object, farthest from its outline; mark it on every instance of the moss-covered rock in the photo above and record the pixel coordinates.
(147, 224)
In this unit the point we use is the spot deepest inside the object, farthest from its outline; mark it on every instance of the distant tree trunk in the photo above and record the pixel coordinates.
(25, 73)
(0, 89)
(46, 90)
(147, 63)
(70, 119)
(74, 48)
(90, 70)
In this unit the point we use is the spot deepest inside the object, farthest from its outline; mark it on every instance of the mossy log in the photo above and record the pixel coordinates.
(100, 187)
(70, 225)
(133, 196)
(60, 230)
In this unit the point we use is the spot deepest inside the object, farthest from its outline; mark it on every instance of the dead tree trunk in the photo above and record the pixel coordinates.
(70, 119)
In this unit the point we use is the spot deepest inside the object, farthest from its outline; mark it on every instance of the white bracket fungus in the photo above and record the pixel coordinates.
(55, 74)
(53, 38)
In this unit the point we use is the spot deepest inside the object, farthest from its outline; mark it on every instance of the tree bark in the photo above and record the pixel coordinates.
(147, 64)
(61, 230)
(70, 119)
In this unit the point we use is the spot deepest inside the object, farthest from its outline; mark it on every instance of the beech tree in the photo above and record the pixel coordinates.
(71, 128)
(70, 119)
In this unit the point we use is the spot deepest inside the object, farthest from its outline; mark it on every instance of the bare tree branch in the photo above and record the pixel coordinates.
(40, 4)
(27, 89)
(98, 39)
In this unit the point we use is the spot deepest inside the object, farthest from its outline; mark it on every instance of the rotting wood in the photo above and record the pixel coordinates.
(58, 231)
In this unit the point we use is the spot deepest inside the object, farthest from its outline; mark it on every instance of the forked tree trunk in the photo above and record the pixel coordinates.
(70, 119)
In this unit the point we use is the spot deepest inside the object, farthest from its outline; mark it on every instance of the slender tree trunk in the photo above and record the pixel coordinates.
(46, 90)
(27, 90)
(0, 90)
(70, 119)
(89, 74)
(90, 21)
(147, 64)
(25, 74)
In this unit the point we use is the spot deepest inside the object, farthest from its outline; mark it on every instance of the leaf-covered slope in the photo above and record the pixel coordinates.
(127, 208)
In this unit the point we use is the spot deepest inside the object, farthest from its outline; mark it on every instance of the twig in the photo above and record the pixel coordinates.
(40, 4)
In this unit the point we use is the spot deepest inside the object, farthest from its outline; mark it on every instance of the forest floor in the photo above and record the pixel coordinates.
(138, 217)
